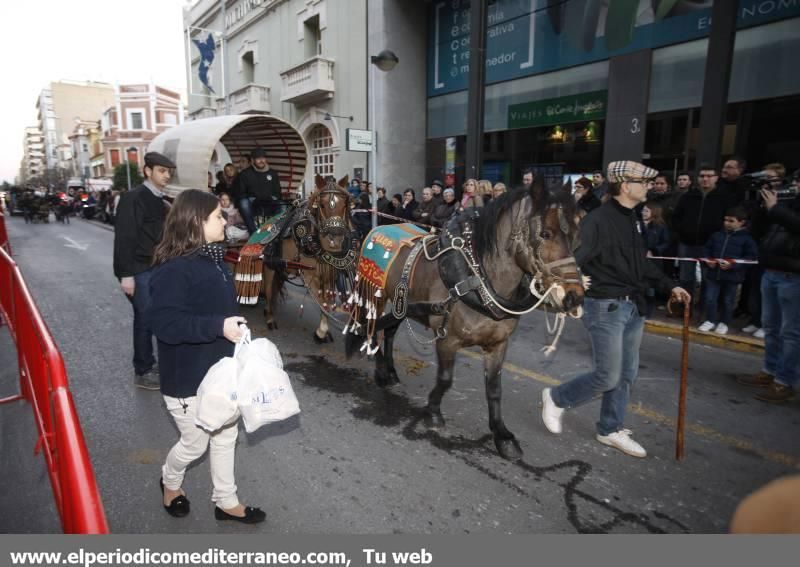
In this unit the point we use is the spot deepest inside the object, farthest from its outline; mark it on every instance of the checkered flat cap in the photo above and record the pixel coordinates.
(619, 171)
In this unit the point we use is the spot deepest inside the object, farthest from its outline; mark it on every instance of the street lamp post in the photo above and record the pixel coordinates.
(128, 162)
(385, 61)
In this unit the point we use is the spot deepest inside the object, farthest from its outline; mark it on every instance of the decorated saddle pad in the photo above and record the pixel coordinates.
(247, 272)
(380, 250)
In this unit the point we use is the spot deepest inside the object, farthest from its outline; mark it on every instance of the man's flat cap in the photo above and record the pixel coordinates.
(257, 153)
(437, 182)
(152, 159)
(619, 171)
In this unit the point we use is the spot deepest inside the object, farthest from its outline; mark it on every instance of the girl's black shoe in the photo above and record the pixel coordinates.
(251, 515)
(179, 507)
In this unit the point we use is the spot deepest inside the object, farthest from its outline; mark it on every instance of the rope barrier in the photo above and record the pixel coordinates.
(732, 261)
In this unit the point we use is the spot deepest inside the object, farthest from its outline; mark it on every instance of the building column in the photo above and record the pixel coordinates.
(716, 81)
(626, 117)
(401, 103)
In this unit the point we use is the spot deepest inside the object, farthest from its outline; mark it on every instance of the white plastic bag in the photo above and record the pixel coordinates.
(217, 396)
(265, 393)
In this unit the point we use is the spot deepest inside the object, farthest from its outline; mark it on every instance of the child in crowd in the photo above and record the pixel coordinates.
(723, 277)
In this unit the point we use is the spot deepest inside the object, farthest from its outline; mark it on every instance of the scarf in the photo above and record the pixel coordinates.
(215, 251)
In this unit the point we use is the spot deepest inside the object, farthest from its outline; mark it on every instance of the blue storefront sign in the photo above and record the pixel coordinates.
(527, 37)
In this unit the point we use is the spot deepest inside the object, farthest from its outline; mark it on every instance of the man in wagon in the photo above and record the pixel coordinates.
(259, 190)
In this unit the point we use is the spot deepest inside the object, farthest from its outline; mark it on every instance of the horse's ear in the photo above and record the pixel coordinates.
(344, 181)
(319, 181)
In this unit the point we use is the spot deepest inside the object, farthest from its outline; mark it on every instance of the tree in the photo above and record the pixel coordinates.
(121, 176)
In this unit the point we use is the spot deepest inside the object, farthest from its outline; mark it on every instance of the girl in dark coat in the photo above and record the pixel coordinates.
(193, 315)
(657, 240)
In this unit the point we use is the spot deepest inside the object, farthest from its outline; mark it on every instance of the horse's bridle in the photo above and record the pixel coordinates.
(560, 272)
(335, 224)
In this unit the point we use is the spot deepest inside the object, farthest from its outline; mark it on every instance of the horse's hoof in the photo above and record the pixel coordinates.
(272, 325)
(392, 378)
(509, 449)
(328, 337)
(434, 420)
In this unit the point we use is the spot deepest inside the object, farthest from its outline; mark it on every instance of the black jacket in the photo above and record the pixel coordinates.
(698, 215)
(265, 186)
(737, 245)
(137, 230)
(612, 252)
(589, 202)
(780, 248)
(191, 298)
(424, 212)
(442, 213)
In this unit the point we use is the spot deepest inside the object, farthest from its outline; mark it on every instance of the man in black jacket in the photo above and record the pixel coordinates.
(259, 190)
(137, 231)
(612, 253)
(779, 253)
(699, 213)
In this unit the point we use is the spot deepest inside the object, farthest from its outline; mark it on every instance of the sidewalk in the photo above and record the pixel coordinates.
(662, 324)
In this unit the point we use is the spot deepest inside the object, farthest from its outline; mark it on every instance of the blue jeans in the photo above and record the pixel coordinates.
(687, 270)
(780, 304)
(615, 329)
(249, 208)
(246, 210)
(143, 359)
(720, 296)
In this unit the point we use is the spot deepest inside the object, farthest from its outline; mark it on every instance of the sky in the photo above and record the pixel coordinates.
(102, 40)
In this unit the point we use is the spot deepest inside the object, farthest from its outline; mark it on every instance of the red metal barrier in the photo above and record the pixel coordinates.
(43, 383)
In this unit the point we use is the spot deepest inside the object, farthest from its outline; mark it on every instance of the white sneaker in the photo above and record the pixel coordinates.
(721, 329)
(759, 334)
(551, 413)
(622, 440)
(706, 327)
(750, 329)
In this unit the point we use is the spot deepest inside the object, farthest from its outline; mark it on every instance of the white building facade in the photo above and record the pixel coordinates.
(304, 61)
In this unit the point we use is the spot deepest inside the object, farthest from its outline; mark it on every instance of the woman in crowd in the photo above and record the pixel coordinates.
(485, 190)
(408, 206)
(584, 195)
(498, 189)
(470, 196)
(444, 210)
(194, 317)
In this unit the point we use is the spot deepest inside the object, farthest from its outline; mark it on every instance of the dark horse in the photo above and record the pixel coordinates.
(471, 283)
(321, 246)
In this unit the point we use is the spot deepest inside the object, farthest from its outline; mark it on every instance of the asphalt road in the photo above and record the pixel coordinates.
(358, 459)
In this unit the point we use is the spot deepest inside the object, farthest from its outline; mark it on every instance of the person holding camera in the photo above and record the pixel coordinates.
(780, 293)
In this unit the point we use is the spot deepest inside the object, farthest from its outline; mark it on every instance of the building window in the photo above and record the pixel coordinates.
(85, 147)
(321, 150)
(136, 120)
(312, 37)
(248, 68)
(114, 157)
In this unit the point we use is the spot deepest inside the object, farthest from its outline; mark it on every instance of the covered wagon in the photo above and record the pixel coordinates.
(204, 146)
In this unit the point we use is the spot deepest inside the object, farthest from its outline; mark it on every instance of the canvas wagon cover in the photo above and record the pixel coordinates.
(200, 146)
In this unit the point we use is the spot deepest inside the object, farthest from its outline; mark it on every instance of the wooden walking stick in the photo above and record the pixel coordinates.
(684, 382)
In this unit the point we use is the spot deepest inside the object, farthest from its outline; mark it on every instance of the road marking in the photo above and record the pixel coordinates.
(73, 244)
(702, 431)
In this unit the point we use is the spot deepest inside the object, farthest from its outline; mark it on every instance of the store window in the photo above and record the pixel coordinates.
(322, 150)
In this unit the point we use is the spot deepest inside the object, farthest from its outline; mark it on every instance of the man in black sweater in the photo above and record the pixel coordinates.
(258, 190)
(137, 231)
(612, 253)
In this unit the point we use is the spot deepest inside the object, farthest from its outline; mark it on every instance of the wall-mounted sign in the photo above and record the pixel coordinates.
(359, 140)
(527, 37)
(561, 110)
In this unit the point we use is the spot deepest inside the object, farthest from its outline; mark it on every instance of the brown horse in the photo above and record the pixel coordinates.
(471, 283)
(319, 238)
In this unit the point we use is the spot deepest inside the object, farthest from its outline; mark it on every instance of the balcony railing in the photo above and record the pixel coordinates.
(203, 112)
(250, 99)
(308, 82)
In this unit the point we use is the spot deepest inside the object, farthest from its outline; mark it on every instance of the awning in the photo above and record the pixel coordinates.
(200, 146)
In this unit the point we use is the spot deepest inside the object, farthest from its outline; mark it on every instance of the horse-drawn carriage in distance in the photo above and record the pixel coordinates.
(308, 240)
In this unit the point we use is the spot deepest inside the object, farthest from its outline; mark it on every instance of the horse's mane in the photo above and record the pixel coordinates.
(541, 199)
